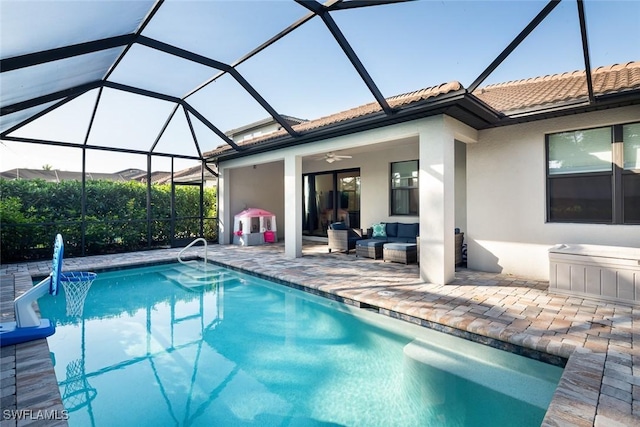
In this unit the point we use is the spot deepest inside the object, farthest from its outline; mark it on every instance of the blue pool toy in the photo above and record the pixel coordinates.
(28, 326)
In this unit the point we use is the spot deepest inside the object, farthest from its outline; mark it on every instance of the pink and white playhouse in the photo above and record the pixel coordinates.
(254, 226)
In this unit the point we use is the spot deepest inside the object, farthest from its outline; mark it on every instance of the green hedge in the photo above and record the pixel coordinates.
(32, 212)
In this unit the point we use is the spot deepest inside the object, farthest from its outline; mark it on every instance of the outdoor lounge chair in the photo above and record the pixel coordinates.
(343, 238)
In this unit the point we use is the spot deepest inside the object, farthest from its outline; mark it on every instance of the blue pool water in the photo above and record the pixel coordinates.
(171, 345)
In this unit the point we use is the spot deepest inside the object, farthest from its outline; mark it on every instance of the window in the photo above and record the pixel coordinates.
(404, 188)
(593, 175)
(631, 173)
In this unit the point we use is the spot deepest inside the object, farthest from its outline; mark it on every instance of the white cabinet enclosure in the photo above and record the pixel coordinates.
(606, 272)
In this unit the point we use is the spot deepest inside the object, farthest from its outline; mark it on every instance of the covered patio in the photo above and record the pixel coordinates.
(595, 339)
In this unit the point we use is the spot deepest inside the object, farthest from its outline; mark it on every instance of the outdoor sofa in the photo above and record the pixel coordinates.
(394, 232)
(390, 232)
(398, 233)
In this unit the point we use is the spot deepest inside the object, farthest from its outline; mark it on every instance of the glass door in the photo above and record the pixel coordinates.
(349, 193)
(329, 197)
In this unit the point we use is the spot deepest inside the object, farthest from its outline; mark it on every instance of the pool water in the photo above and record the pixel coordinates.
(176, 345)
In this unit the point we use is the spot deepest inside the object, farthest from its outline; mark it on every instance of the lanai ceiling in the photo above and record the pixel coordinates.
(169, 78)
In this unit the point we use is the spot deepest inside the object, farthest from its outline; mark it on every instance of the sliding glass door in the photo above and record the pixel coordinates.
(329, 197)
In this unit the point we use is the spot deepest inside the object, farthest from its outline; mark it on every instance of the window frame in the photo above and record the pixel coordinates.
(616, 173)
(414, 187)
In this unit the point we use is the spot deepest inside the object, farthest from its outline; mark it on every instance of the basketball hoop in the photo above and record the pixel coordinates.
(28, 325)
(76, 286)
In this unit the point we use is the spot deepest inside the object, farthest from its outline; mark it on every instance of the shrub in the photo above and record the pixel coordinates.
(33, 211)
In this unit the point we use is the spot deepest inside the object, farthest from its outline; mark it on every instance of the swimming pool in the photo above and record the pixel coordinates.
(170, 345)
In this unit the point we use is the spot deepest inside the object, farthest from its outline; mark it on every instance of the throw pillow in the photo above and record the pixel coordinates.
(379, 230)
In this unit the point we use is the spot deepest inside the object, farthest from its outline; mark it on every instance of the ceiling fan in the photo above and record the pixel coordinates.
(332, 157)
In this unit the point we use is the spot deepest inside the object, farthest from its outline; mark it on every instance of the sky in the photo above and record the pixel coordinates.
(405, 47)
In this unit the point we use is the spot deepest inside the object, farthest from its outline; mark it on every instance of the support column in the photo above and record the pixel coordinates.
(292, 206)
(437, 195)
(225, 222)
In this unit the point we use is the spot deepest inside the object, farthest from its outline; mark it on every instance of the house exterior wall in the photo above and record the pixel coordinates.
(506, 198)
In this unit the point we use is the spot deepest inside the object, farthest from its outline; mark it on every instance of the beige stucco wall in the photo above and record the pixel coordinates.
(258, 186)
(506, 201)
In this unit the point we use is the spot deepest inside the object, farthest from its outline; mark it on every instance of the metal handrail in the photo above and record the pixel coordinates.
(202, 239)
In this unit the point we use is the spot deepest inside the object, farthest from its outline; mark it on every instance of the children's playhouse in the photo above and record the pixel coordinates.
(254, 226)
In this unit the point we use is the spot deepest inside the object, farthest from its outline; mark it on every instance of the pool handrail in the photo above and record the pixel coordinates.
(199, 239)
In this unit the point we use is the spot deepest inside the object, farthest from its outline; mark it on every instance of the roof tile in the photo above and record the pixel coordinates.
(547, 90)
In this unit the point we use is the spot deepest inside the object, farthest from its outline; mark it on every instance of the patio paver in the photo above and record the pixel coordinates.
(601, 381)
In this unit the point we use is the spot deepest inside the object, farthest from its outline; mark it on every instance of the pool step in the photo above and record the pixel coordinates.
(430, 364)
(197, 279)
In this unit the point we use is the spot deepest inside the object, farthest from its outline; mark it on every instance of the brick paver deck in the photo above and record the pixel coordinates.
(596, 339)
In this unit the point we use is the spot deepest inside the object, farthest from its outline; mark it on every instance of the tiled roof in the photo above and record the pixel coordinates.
(373, 107)
(506, 97)
(548, 90)
(363, 110)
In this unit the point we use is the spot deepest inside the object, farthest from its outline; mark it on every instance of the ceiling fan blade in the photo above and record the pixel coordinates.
(331, 157)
